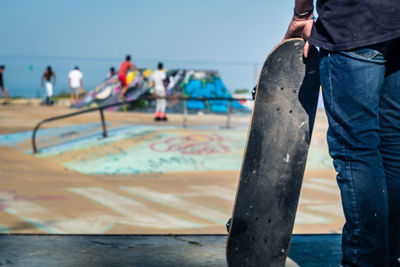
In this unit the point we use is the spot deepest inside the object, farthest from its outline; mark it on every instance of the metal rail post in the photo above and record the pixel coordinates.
(101, 109)
(184, 113)
(35, 151)
(228, 119)
(103, 123)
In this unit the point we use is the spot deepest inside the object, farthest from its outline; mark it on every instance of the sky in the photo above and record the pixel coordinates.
(230, 36)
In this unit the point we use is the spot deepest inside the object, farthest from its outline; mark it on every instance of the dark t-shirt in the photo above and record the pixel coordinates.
(1, 79)
(349, 24)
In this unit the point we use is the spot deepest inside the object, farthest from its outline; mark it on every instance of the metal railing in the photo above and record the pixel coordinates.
(102, 108)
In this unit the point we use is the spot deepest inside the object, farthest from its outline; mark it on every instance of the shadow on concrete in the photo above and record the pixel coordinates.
(149, 250)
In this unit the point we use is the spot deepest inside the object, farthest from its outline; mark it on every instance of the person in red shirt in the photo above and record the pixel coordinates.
(123, 69)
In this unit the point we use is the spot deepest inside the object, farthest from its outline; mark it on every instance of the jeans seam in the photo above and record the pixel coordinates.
(330, 82)
(348, 168)
(357, 230)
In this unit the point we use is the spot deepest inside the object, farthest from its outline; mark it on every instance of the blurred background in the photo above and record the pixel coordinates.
(230, 36)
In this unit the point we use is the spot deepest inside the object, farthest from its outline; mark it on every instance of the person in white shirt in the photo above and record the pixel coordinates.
(75, 84)
(160, 90)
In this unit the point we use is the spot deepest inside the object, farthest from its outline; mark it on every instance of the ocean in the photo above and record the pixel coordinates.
(23, 73)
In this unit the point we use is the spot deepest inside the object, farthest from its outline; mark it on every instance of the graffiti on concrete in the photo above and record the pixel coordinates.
(182, 204)
(208, 84)
(134, 212)
(181, 82)
(52, 137)
(197, 144)
(162, 150)
(150, 149)
(108, 90)
(144, 207)
(122, 210)
(18, 196)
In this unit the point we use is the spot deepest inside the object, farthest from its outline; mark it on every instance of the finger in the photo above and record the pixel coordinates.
(307, 48)
(287, 36)
(289, 32)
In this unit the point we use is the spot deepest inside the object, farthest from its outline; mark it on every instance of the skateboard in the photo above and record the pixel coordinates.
(275, 156)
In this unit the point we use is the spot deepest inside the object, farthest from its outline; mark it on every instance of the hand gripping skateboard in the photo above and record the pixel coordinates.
(275, 157)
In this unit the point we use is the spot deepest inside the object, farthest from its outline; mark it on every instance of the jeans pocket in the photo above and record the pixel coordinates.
(366, 54)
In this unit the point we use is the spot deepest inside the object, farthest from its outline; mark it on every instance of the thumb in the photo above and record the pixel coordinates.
(307, 48)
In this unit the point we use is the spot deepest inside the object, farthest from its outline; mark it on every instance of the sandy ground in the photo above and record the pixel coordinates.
(41, 195)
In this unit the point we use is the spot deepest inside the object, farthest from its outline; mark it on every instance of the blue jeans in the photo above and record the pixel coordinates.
(361, 90)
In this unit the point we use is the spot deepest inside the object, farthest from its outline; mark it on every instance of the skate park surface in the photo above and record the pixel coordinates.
(151, 178)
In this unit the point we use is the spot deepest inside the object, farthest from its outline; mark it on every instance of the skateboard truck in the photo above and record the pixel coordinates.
(228, 224)
(253, 92)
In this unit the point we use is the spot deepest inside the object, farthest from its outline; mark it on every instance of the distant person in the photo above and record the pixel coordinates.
(123, 70)
(3, 89)
(111, 73)
(75, 84)
(160, 90)
(49, 81)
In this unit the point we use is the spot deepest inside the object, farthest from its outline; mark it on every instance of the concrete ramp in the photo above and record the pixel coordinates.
(181, 82)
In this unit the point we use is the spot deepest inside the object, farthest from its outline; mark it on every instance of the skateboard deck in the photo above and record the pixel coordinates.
(275, 157)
